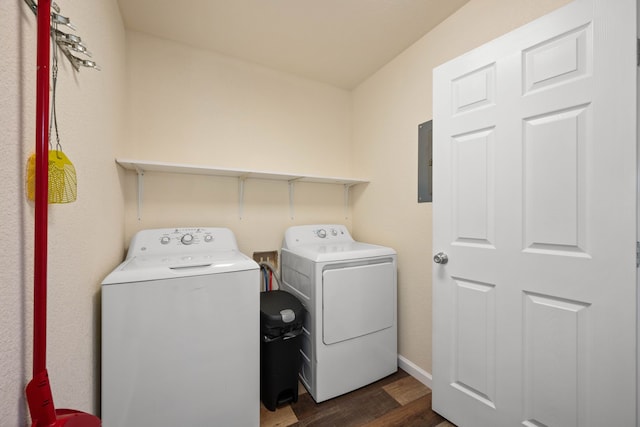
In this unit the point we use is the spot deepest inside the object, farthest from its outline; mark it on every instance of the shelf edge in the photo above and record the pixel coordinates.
(164, 167)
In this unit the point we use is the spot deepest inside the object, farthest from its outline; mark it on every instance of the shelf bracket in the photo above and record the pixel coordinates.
(291, 194)
(140, 174)
(346, 200)
(241, 180)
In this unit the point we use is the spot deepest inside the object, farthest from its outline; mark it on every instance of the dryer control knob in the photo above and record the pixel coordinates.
(187, 239)
(334, 232)
(208, 238)
(165, 240)
(322, 233)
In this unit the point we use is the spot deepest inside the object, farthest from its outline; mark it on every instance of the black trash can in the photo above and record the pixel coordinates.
(281, 320)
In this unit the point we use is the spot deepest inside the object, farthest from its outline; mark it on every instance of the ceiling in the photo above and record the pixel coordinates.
(339, 42)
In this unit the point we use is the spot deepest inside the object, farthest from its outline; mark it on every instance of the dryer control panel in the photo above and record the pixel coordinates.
(315, 234)
(162, 241)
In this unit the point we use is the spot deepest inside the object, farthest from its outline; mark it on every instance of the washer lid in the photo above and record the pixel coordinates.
(157, 267)
(341, 251)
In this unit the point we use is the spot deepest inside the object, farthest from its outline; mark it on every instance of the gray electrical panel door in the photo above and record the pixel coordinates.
(425, 162)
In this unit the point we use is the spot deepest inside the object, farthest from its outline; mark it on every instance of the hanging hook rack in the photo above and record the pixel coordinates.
(66, 42)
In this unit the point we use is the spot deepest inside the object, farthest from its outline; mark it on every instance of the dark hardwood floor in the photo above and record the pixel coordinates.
(398, 400)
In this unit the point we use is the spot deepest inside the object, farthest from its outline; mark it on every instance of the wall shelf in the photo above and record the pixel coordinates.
(142, 166)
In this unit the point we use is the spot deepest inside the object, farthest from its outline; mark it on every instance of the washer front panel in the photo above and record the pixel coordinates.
(178, 352)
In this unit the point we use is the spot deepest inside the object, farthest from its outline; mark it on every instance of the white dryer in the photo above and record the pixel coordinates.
(349, 290)
(180, 332)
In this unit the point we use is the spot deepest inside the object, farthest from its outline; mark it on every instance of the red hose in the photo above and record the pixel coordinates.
(42, 190)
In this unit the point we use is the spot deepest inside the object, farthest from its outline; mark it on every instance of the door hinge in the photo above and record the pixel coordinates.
(637, 254)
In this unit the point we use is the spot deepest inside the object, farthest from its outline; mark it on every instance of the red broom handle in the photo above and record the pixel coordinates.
(42, 189)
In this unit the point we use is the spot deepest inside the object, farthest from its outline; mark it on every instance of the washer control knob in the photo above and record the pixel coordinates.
(208, 238)
(334, 232)
(322, 233)
(187, 239)
(165, 240)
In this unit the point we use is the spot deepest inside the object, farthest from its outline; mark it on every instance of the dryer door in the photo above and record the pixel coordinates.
(357, 301)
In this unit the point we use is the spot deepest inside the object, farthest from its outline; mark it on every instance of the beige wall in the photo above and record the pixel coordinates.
(387, 110)
(191, 106)
(86, 237)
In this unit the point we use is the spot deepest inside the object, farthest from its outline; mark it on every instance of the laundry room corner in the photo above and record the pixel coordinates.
(195, 107)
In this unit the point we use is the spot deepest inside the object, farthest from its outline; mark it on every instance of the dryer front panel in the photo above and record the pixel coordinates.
(357, 301)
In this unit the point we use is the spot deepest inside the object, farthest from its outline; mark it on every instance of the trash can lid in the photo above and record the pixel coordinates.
(280, 308)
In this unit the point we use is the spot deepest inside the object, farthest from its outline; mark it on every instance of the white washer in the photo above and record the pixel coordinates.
(180, 332)
(349, 290)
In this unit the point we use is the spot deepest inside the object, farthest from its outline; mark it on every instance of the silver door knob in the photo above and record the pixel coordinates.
(440, 258)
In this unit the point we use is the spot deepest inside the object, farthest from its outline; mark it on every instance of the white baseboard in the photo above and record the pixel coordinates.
(415, 371)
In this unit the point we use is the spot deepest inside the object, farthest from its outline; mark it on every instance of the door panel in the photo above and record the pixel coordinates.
(554, 215)
(558, 60)
(535, 205)
(555, 354)
(474, 365)
(474, 90)
(474, 183)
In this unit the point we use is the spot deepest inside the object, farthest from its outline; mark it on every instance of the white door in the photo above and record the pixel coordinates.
(535, 207)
